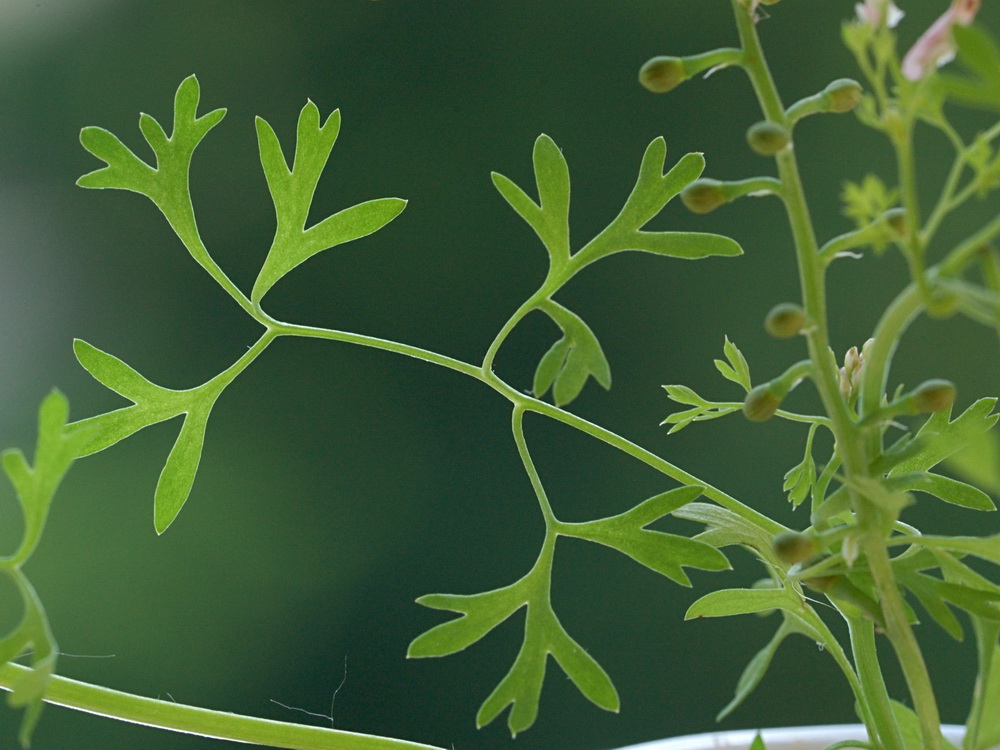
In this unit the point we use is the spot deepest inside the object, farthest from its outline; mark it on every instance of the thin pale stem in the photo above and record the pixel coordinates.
(177, 717)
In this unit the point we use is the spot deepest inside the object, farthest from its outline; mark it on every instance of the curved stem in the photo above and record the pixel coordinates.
(204, 722)
(517, 426)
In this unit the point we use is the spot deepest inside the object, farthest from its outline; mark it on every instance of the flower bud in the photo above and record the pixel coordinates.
(933, 395)
(793, 547)
(843, 95)
(785, 320)
(703, 195)
(761, 403)
(662, 74)
(768, 138)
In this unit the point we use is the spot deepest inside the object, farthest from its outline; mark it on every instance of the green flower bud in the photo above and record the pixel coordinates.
(933, 395)
(662, 74)
(793, 547)
(768, 138)
(760, 404)
(844, 94)
(785, 320)
(703, 195)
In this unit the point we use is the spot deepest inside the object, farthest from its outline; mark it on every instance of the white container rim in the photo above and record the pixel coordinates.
(783, 738)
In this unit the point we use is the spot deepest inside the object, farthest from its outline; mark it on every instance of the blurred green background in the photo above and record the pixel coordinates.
(338, 484)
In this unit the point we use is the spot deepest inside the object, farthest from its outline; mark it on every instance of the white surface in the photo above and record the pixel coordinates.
(785, 738)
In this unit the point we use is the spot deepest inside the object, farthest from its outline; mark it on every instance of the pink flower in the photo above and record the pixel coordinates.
(870, 13)
(936, 46)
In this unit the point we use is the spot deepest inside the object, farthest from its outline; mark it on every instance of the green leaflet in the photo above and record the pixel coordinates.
(543, 635)
(940, 437)
(35, 485)
(664, 553)
(987, 548)
(981, 56)
(292, 192)
(932, 592)
(566, 366)
(759, 664)
(152, 404)
(126, 171)
(947, 489)
(744, 601)
(177, 477)
(55, 451)
(652, 191)
(480, 614)
(702, 409)
(726, 528)
(550, 219)
(736, 369)
(799, 480)
(522, 685)
(32, 634)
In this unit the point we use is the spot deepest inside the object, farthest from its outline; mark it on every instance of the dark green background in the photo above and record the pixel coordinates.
(338, 484)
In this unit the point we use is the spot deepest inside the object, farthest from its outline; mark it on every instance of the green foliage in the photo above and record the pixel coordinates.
(858, 497)
(292, 191)
(36, 486)
(543, 635)
(566, 366)
(664, 553)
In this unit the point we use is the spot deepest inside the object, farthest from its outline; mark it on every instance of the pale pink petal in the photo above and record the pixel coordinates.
(936, 45)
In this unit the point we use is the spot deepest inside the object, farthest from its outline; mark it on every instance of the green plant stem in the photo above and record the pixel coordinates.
(183, 222)
(876, 702)
(204, 722)
(531, 404)
(849, 445)
(517, 426)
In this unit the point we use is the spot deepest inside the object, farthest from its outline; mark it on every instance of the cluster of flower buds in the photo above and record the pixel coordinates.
(850, 373)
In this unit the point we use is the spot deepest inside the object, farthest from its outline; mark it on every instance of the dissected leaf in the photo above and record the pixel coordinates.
(987, 548)
(32, 634)
(292, 193)
(571, 360)
(979, 602)
(152, 403)
(744, 601)
(480, 614)
(652, 191)
(112, 373)
(521, 687)
(177, 477)
(702, 410)
(726, 528)
(947, 489)
(55, 450)
(941, 437)
(799, 480)
(550, 217)
(667, 554)
(759, 664)
(981, 56)
(549, 366)
(978, 461)
(737, 369)
(126, 171)
(543, 635)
